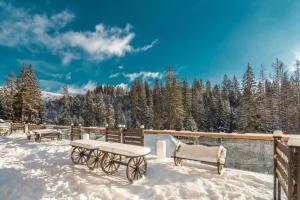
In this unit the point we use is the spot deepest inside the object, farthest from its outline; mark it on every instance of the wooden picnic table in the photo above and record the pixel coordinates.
(110, 155)
(46, 133)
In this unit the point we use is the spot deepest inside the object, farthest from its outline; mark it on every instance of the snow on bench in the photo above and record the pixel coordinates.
(209, 154)
(112, 147)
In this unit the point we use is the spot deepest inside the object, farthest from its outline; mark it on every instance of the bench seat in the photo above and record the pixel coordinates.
(112, 147)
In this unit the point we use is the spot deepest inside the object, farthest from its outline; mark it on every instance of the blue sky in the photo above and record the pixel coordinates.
(85, 43)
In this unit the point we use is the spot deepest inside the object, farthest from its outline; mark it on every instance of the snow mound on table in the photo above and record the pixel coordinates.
(44, 170)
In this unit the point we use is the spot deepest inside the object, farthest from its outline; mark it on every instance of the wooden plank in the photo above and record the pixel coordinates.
(133, 143)
(246, 136)
(280, 160)
(283, 172)
(282, 183)
(140, 139)
(283, 147)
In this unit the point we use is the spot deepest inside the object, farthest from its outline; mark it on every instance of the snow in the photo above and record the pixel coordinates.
(44, 170)
(50, 96)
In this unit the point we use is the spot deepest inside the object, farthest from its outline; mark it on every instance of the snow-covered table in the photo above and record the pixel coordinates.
(108, 156)
(46, 133)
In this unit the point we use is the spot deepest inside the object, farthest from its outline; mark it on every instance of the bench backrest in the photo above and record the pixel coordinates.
(32, 127)
(134, 136)
(75, 132)
(113, 135)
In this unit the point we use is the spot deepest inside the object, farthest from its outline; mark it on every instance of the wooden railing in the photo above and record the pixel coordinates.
(286, 167)
(101, 130)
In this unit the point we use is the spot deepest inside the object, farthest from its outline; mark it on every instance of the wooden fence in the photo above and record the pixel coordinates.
(286, 167)
(101, 130)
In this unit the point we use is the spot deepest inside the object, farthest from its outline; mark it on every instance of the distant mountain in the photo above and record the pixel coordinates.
(50, 96)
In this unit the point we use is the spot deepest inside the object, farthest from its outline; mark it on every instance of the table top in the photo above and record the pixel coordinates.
(113, 147)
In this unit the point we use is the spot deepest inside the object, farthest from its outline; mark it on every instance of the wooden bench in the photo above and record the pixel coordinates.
(17, 126)
(134, 136)
(109, 156)
(39, 131)
(46, 133)
(215, 155)
(31, 128)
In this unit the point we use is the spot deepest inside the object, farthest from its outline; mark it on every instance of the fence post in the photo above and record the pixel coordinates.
(294, 168)
(10, 126)
(25, 127)
(79, 131)
(277, 135)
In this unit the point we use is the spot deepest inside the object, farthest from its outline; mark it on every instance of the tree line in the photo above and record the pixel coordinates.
(261, 104)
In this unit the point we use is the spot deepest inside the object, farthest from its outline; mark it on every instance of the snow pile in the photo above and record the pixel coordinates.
(31, 170)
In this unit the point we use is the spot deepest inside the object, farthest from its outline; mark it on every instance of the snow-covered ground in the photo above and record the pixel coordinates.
(31, 170)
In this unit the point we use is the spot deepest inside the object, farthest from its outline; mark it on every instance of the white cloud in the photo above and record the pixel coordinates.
(136, 75)
(143, 75)
(292, 66)
(22, 29)
(115, 75)
(149, 46)
(74, 90)
(69, 76)
(122, 85)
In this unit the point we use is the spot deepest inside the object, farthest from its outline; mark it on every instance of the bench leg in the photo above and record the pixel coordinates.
(178, 161)
(220, 168)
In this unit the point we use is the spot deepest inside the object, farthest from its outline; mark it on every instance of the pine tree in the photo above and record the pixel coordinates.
(89, 110)
(110, 115)
(248, 108)
(35, 96)
(158, 106)
(8, 96)
(101, 111)
(134, 104)
(220, 111)
(209, 109)
(234, 98)
(188, 121)
(119, 113)
(66, 115)
(149, 104)
(174, 110)
(261, 102)
(198, 110)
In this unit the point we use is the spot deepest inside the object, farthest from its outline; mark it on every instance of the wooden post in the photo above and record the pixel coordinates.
(71, 132)
(143, 127)
(294, 169)
(10, 127)
(277, 135)
(25, 127)
(79, 131)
